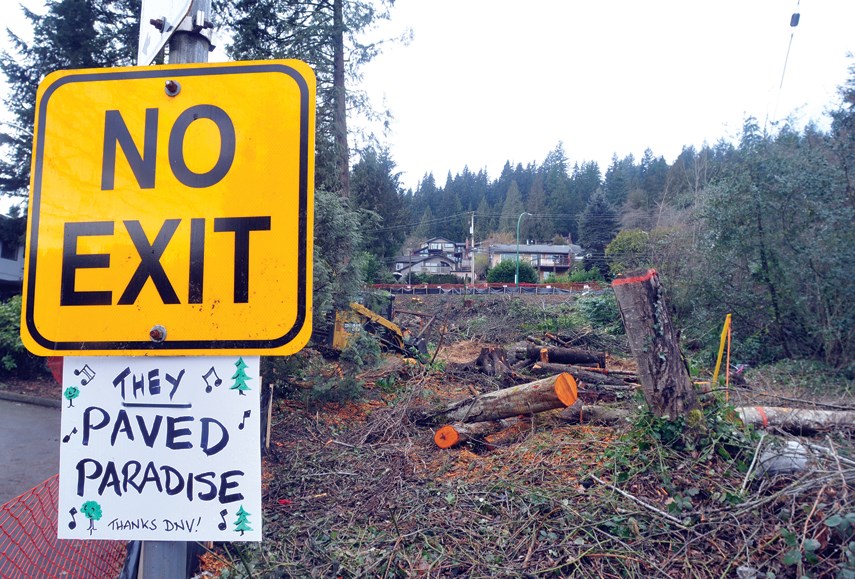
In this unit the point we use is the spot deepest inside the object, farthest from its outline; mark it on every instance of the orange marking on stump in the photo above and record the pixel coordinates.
(637, 279)
(565, 389)
(446, 437)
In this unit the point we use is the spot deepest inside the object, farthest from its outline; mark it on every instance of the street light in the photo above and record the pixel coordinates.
(517, 274)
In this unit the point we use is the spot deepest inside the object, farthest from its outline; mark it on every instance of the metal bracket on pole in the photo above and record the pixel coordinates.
(198, 24)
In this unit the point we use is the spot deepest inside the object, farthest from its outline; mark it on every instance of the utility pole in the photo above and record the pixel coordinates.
(190, 43)
(472, 245)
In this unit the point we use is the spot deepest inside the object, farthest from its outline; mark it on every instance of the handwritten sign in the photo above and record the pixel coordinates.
(160, 448)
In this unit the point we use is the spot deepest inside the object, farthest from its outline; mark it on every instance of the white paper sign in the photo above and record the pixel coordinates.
(160, 448)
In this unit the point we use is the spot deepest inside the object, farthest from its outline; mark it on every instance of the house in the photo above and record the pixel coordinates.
(438, 256)
(406, 265)
(442, 246)
(544, 258)
(11, 265)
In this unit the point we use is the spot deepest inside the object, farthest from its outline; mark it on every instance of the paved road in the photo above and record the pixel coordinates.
(29, 447)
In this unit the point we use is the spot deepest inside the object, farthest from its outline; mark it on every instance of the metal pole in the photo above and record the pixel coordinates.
(162, 559)
(517, 274)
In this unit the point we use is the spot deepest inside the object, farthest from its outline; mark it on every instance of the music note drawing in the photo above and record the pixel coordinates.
(217, 379)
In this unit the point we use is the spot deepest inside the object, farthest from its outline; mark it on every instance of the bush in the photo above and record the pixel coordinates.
(435, 278)
(15, 360)
(579, 276)
(505, 272)
(602, 312)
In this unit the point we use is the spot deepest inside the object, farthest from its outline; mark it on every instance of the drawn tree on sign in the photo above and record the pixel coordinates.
(70, 394)
(240, 377)
(92, 511)
(242, 522)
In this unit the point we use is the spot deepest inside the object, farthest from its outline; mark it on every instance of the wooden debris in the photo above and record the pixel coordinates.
(592, 414)
(493, 361)
(565, 355)
(797, 420)
(451, 435)
(524, 399)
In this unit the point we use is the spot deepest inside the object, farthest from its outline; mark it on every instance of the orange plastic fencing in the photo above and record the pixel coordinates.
(29, 547)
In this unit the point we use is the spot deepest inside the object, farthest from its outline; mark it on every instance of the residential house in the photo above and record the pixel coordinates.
(11, 269)
(544, 258)
(436, 257)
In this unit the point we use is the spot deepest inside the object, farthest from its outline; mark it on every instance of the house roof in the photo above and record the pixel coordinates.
(414, 259)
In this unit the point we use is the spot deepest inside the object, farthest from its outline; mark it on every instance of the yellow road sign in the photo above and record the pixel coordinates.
(171, 211)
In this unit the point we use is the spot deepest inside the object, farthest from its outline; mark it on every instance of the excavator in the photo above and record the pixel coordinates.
(359, 318)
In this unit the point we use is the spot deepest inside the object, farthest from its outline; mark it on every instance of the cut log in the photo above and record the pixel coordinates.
(585, 375)
(451, 435)
(524, 399)
(592, 414)
(663, 374)
(797, 420)
(566, 355)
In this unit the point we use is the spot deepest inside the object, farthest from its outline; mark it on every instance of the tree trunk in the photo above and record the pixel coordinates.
(566, 356)
(662, 371)
(592, 414)
(342, 151)
(525, 399)
(797, 420)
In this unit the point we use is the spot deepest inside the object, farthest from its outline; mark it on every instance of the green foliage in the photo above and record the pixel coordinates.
(338, 237)
(362, 351)
(71, 34)
(714, 432)
(374, 186)
(629, 250)
(582, 275)
(602, 312)
(15, 360)
(597, 227)
(373, 270)
(505, 272)
(776, 247)
(435, 278)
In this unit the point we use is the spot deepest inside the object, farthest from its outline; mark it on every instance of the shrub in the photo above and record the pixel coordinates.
(15, 360)
(505, 272)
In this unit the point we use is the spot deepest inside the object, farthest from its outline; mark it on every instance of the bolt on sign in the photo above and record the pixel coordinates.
(160, 449)
(171, 211)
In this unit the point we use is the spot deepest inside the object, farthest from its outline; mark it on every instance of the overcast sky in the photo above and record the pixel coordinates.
(487, 81)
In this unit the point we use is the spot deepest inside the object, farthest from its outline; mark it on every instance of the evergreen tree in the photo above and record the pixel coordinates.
(375, 187)
(511, 209)
(327, 35)
(597, 227)
(72, 34)
(539, 226)
(426, 226)
(485, 219)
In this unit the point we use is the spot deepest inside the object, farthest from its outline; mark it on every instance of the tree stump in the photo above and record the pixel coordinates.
(662, 371)
(493, 361)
